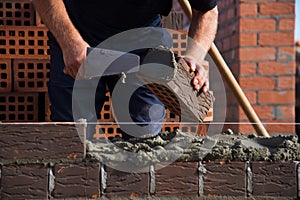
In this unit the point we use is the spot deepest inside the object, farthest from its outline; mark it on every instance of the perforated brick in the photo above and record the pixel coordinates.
(179, 41)
(188, 128)
(106, 112)
(17, 13)
(31, 75)
(18, 107)
(5, 75)
(107, 131)
(24, 42)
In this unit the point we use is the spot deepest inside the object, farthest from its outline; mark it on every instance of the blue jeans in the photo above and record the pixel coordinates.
(144, 108)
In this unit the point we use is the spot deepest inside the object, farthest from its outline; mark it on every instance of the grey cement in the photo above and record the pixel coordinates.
(179, 146)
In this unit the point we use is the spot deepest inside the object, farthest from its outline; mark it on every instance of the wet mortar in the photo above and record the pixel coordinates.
(184, 147)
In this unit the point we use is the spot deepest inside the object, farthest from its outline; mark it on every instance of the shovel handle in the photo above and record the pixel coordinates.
(230, 80)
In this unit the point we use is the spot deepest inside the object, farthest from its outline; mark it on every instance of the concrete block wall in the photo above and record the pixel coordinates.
(256, 39)
(49, 161)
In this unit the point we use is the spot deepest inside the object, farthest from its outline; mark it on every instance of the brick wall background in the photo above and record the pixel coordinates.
(256, 39)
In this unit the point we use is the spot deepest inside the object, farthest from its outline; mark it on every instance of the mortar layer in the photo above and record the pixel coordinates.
(180, 146)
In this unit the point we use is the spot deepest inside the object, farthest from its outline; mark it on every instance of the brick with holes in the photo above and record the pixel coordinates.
(24, 42)
(17, 13)
(5, 75)
(31, 75)
(19, 107)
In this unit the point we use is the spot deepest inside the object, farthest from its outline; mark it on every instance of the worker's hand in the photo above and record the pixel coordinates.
(200, 81)
(74, 55)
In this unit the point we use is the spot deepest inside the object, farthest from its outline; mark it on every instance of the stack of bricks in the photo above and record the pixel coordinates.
(257, 41)
(24, 63)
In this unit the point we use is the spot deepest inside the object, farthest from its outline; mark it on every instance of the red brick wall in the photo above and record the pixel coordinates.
(257, 41)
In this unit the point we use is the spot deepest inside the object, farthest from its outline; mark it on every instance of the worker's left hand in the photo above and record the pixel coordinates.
(200, 81)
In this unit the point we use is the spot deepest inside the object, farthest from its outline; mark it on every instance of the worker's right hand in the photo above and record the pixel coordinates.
(74, 54)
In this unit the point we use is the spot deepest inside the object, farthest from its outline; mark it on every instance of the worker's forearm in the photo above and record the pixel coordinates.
(54, 15)
(202, 31)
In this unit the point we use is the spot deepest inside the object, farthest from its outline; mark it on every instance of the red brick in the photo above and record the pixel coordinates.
(248, 68)
(274, 179)
(17, 13)
(257, 82)
(281, 127)
(246, 128)
(40, 141)
(123, 184)
(107, 131)
(278, 8)
(247, 9)
(19, 107)
(225, 179)
(251, 96)
(276, 97)
(77, 181)
(263, 112)
(276, 38)
(24, 42)
(258, 54)
(287, 55)
(24, 182)
(286, 82)
(179, 41)
(285, 113)
(229, 14)
(31, 75)
(248, 39)
(286, 24)
(276, 68)
(5, 75)
(257, 24)
(178, 179)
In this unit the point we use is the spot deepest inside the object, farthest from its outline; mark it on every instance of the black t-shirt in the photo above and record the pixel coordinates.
(97, 20)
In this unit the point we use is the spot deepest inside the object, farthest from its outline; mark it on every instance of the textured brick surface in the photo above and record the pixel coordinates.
(225, 179)
(40, 141)
(274, 179)
(31, 75)
(123, 184)
(17, 13)
(5, 75)
(177, 179)
(75, 181)
(24, 182)
(23, 42)
(18, 107)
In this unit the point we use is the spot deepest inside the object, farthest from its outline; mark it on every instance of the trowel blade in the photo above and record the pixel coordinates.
(105, 62)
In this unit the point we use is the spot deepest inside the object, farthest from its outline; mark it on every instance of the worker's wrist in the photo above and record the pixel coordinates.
(194, 50)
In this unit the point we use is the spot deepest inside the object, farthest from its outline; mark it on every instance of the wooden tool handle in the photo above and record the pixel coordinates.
(230, 80)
